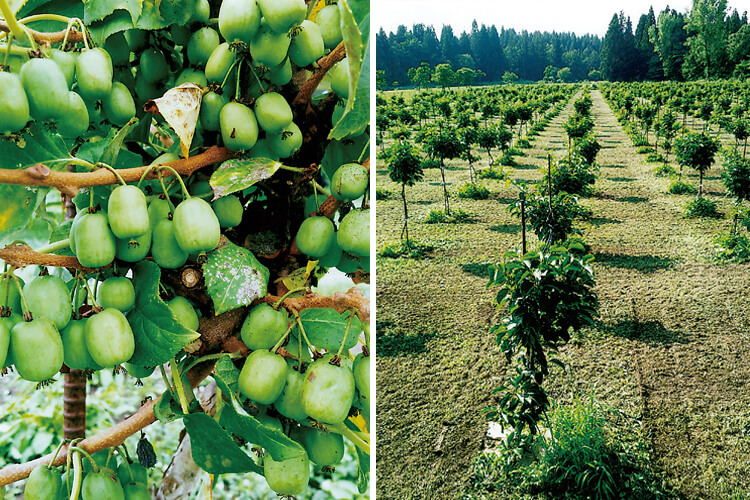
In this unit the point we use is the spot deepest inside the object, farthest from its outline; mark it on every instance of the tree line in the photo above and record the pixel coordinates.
(711, 41)
(489, 53)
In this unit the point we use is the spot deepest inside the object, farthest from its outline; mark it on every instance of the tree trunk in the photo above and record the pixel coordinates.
(405, 231)
(445, 188)
(74, 385)
(700, 184)
(74, 405)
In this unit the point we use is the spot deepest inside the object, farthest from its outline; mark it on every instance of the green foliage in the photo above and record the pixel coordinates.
(645, 149)
(404, 164)
(444, 75)
(406, 249)
(507, 160)
(523, 143)
(583, 104)
(665, 170)
(493, 172)
(696, 150)
(587, 147)
(551, 221)
(547, 293)
(456, 216)
(577, 126)
(736, 175)
(680, 187)
(582, 455)
(473, 191)
(383, 194)
(571, 174)
(654, 158)
(702, 207)
(731, 247)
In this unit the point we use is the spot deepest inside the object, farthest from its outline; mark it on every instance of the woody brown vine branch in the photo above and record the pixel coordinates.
(353, 299)
(114, 436)
(74, 35)
(41, 175)
(22, 255)
(324, 64)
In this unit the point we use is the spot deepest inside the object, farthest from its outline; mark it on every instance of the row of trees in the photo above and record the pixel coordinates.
(490, 52)
(709, 42)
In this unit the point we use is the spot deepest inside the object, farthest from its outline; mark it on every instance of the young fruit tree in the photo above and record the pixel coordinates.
(194, 176)
(405, 168)
(696, 150)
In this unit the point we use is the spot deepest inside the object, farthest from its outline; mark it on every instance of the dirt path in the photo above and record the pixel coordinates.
(688, 318)
(671, 355)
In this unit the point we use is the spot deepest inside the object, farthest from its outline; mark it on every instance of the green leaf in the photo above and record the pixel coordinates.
(236, 175)
(36, 145)
(227, 374)
(363, 463)
(346, 151)
(234, 277)
(356, 38)
(96, 10)
(158, 333)
(213, 449)
(18, 205)
(167, 409)
(60, 233)
(114, 23)
(253, 431)
(112, 150)
(68, 8)
(325, 328)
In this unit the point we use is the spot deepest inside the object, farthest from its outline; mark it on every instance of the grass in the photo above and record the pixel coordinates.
(587, 453)
(670, 353)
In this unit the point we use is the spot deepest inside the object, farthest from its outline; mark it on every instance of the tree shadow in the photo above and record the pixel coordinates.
(600, 221)
(620, 179)
(525, 167)
(478, 269)
(641, 263)
(506, 228)
(651, 332)
(392, 343)
(633, 199)
(613, 166)
(505, 201)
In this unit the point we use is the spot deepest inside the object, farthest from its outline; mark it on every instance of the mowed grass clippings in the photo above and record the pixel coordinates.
(671, 355)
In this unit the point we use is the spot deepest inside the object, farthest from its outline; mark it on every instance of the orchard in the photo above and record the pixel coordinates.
(185, 198)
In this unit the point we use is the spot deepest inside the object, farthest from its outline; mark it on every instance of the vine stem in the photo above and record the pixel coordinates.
(11, 23)
(108, 438)
(178, 386)
(41, 37)
(41, 175)
(325, 63)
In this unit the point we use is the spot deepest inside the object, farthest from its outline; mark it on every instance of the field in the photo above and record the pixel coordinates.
(668, 358)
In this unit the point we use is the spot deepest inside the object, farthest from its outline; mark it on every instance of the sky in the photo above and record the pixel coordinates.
(578, 16)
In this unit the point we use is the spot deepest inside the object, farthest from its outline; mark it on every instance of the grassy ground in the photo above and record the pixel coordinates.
(670, 354)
